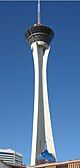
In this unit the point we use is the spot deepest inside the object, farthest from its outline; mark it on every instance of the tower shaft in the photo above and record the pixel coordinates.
(42, 132)
(43, 150)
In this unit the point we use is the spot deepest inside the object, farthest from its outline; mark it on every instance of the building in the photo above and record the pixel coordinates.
(10, 156)
(6, 165)
(43, 149)
(65, 164)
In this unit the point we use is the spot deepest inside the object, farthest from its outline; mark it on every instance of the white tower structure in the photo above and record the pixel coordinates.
(39, 38)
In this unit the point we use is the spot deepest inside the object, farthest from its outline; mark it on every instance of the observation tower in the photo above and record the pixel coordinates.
(43, 150)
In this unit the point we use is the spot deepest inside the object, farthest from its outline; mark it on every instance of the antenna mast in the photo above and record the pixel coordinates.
(39, 12)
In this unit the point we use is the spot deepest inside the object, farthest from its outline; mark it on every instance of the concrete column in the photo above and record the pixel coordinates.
(42, 131)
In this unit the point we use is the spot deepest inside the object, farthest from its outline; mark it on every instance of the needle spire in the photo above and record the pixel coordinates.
(39, 13)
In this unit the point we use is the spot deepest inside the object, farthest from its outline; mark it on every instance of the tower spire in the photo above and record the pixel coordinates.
(39, 13)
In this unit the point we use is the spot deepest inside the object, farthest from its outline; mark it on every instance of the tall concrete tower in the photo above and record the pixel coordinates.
(39, 38)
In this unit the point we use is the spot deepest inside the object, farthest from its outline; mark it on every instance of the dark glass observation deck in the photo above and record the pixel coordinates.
(39, 32)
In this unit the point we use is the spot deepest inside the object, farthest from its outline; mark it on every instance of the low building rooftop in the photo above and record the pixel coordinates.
(59, 164)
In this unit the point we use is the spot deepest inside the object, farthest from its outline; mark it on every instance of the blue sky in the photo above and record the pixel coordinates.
(17, 76)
